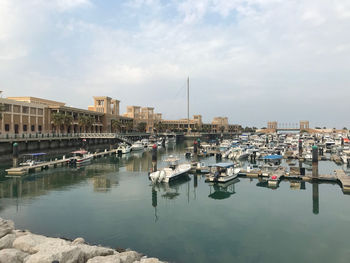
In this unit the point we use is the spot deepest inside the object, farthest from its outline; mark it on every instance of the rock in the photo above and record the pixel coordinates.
(32, 243)
(78, 240)
(129, 256)
(120, 250)
(62, 253)
(12, 255)
(6, 227)
(20, 233)
(107, 259)
(7, 241)
(150, 260)
(94, 251)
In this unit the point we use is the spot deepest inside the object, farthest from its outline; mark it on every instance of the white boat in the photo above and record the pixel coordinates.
(222, 172)
(144, 143)
(32, 159)
(123, 148)
(170, 173)
(170, 140)
(81, 157)
(137, 146)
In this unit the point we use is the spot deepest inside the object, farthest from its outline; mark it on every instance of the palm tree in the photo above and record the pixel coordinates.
(57, 120)
(116, 125)
(141, 127)
(90, 121)
(129, 126)
(2, 109)
(82, 122)
(67, 120)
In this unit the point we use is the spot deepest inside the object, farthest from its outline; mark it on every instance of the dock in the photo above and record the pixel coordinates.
(23, 170)
(344, 180)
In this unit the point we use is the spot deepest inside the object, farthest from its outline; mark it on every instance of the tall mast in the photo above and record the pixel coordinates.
(188, 104)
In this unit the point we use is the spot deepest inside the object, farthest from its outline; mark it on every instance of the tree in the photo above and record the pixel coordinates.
(141, 127)
(222, 129)
(345, 128)
(2, 109)
(58, 120)
(82, 120)
(116, 125)
(67, 121)
(90, 121)
(129, 127)
(159, 126)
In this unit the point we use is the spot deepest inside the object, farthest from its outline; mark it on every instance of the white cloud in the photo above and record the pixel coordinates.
(256, 55)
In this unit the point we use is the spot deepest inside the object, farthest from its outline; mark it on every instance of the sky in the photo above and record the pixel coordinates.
(250, 60)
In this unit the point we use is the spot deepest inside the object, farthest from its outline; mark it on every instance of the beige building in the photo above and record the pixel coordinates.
(22, 117)
(143, 115)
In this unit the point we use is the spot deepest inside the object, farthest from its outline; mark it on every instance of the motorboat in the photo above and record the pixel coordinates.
(81, 157)
(123, 148)
(31, 159)
(222, 172)
(145, 143)
(137, 146)
(173, 171)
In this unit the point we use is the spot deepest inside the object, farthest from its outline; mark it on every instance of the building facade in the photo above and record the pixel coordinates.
(36, 115)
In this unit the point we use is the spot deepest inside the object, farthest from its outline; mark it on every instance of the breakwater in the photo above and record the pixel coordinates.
(19, 246)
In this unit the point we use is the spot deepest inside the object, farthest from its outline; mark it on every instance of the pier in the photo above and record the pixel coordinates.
(23, 170)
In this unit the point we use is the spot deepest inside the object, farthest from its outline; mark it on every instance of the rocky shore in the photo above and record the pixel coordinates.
(17, 246)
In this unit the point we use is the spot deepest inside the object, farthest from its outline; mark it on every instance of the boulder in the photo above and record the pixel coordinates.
(12, 255)
(20, 233)
(106, 259)
(150, 260)
(7, 241)
(129, 256)
(78, 240)
(94, 251)
(62, 253)
(32, 243)
(6, 227)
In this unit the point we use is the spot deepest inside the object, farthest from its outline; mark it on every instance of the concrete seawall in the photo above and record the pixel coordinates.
(21, 246)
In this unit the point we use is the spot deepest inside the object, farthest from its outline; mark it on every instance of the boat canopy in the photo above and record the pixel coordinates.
(273, 157)
(79, 152)
(222, 165)
(34, 154)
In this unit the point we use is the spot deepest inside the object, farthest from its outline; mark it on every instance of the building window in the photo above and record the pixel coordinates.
(40, 111)
(32, 128)
(8, 108)
(39, 128)
(16, 108)
(33, 111)
(25, 110)
(7, 127)
(25, 127)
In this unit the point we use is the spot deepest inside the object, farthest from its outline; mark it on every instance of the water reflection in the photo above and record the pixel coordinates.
(220, 191)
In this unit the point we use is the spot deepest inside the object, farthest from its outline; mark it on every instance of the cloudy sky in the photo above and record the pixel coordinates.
(250, 60)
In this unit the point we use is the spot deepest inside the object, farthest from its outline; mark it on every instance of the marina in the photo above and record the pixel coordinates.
(110, 183)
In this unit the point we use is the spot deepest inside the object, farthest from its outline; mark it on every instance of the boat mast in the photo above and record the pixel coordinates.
(188, 104)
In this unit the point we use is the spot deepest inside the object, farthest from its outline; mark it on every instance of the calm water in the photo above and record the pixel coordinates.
(111, 202)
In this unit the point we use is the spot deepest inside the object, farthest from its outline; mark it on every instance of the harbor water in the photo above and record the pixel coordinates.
(112, 202)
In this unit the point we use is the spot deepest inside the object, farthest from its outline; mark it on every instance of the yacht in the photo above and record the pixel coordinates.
(123, 148)
(170, 173)
(222, 172)
(81, 157)
(137, 146)
(32, 159)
